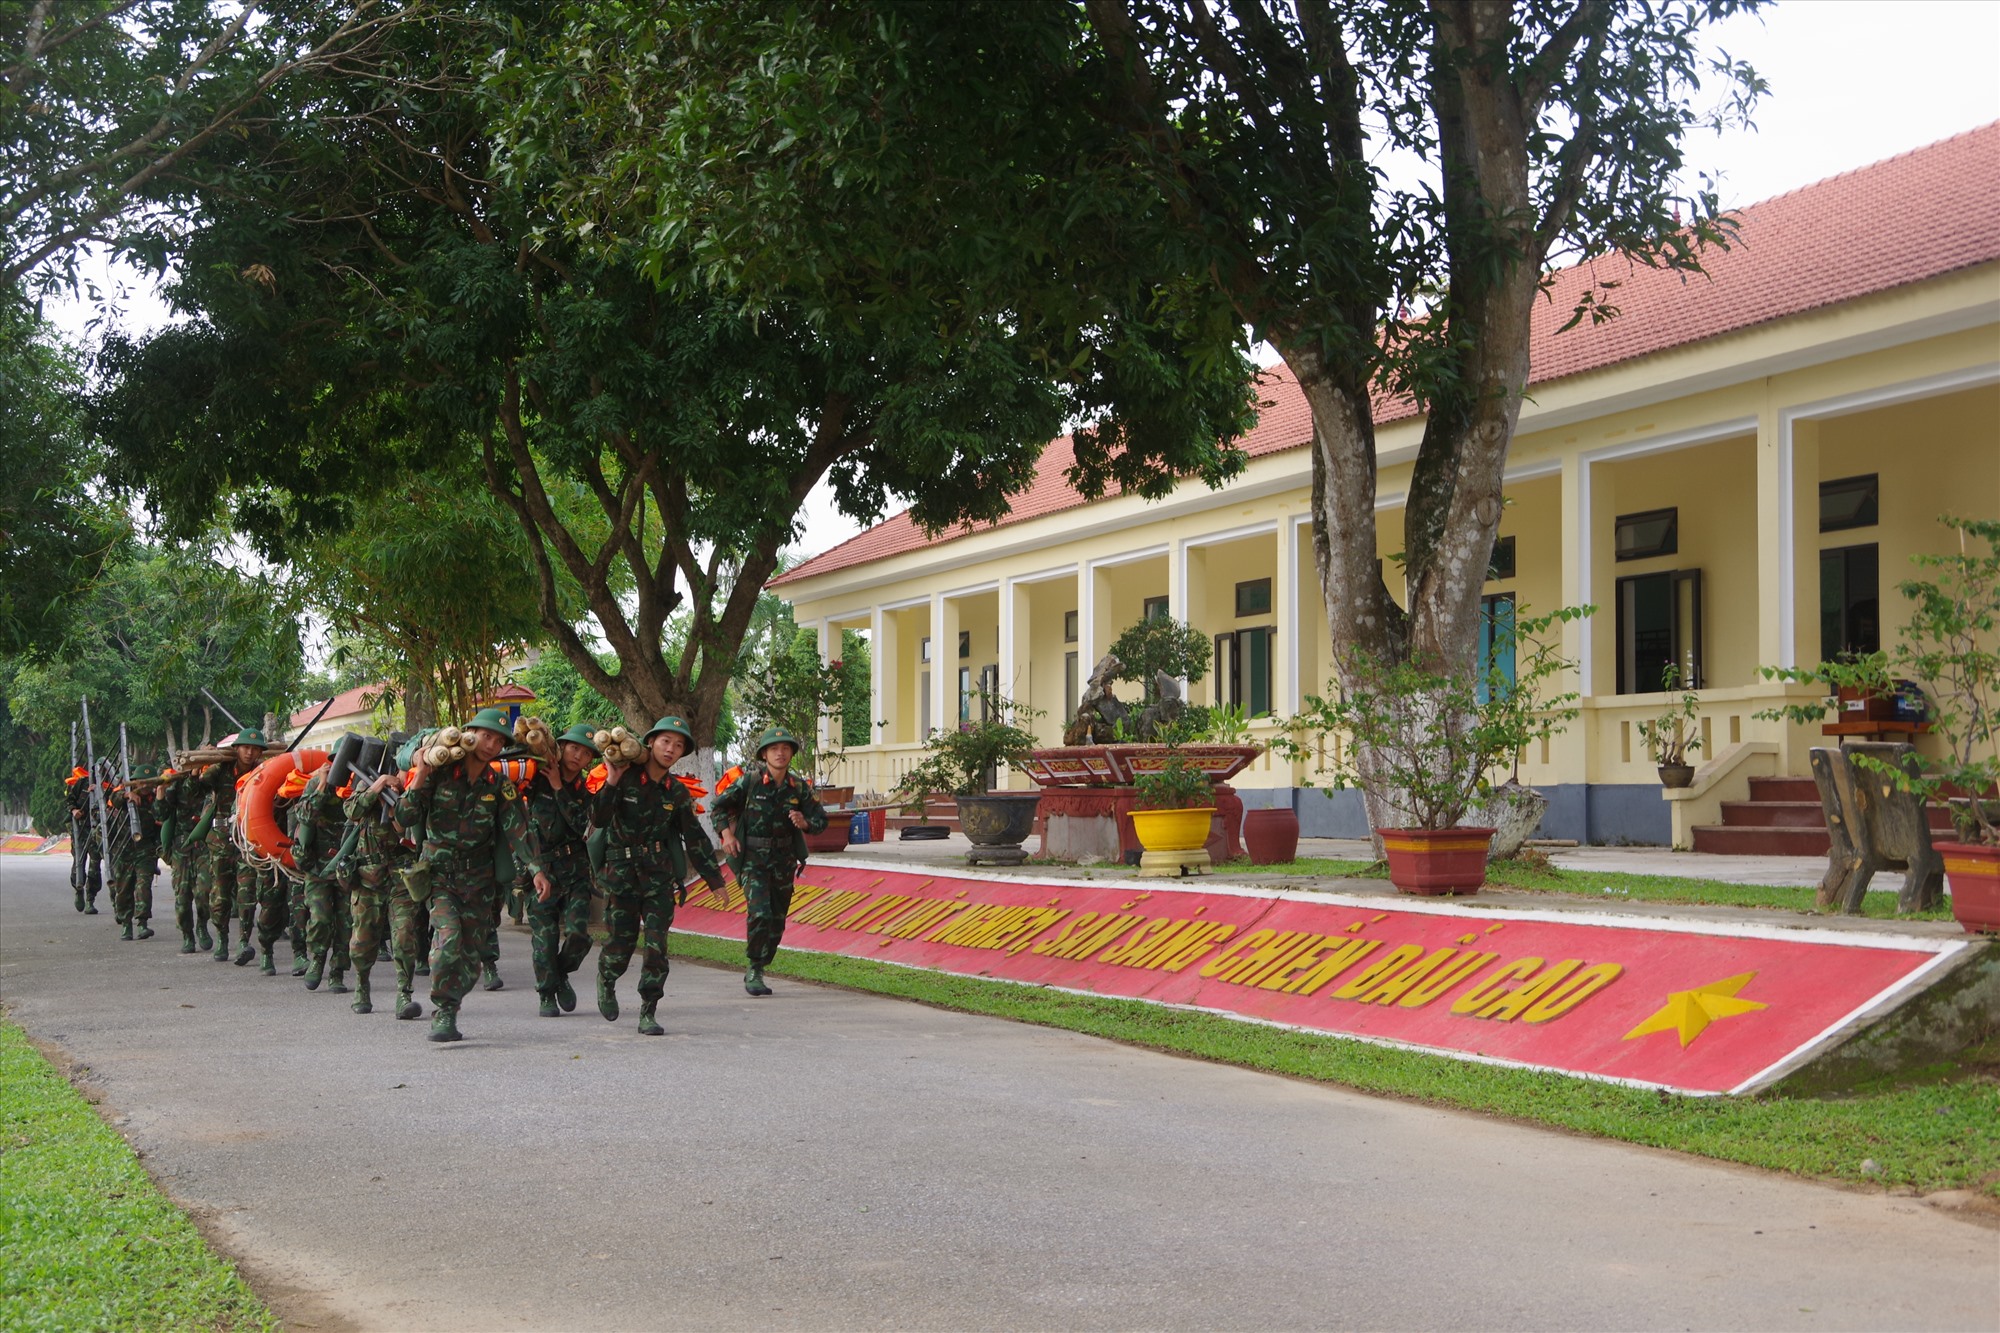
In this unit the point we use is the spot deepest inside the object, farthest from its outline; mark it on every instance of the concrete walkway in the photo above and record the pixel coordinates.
(826, 1159)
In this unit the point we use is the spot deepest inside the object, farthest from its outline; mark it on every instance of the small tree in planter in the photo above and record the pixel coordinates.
(1675, 733)
(1175, 809)
(793, 689)
(1433, 740)
(956, 762)
(1952, 646)
(1161, 645)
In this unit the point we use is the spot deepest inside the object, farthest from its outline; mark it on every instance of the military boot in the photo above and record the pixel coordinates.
(126, 934)
(298, 962)
(648, 1025)
(607, 998)
(187, 942)
(489, 978)
(753, 981)
(201, 938)
(406, 1007)
(362, 1002)
(315, 971)
(221, 954)
(145, 932)
(337, 983)
(424, 966)
(566, 995)
(248, 952)
(444, 1026)
(270, 965)
(79, 897)
(90, 906)
(550, 1009)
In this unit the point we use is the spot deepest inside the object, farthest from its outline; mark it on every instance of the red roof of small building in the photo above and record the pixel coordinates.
(1920, 215)
(360, 699)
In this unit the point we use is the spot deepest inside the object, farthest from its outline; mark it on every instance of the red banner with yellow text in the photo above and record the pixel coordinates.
(1695, 1007)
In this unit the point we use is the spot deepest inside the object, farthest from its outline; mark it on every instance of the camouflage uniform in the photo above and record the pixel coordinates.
(651, 836)
(134, 865)
(760, 807)
(468, 825)
(180, 802)
(317, 825)
(559, 929)
(86, 862)
(223, 882)
(379, 855)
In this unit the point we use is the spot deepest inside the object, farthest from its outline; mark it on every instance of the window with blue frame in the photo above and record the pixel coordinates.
(1496, 641)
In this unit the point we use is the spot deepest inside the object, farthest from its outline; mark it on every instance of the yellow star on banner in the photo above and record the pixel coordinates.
(1690, 1011)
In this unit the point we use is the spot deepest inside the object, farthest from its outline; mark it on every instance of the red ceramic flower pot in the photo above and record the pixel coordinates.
(1271, 836)
(1973, 871)
(1433, 862)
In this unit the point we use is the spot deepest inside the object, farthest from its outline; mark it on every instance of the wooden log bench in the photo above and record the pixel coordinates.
(1874, 826)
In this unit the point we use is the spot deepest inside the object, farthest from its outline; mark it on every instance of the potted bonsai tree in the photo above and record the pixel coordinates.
(1951, 645)
(1174, 812)
(962, 763)
(1422, 742)
(1675, 733)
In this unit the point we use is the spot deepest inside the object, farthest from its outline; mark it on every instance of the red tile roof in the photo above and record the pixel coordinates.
(1920, 215)
(360, 699)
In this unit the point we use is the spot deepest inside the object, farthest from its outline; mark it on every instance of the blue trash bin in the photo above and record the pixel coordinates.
(857, 827)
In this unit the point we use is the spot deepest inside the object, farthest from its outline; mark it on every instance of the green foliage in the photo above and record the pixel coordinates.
(431, 576)
(958, 760)
(1175, 785)
(54, 532)
(792, 688)
(91, 1241)
(141, 642)
(1423, 741)
(1215, 724)
(563, 699)
(1952, 647)
(100, 97)
(1161, 644)
(1673, 735)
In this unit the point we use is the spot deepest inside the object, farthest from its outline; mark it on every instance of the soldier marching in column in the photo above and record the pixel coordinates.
(408, 850)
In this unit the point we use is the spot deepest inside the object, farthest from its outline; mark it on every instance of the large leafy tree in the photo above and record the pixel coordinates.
(55, 532)
(99, 98)
(903, 155)
(376, 297)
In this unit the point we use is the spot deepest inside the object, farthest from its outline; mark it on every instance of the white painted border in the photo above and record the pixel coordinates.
(1129, 557)
(1268, 527)
(1881, 1002)
(1422, 907)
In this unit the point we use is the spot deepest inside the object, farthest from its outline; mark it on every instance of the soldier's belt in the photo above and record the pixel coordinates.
(766, 844)
(563, 856)
(636, 851)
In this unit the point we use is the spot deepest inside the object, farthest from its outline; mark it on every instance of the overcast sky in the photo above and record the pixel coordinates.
(1852, 82)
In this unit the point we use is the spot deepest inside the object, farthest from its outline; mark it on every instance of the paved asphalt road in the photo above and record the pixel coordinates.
(832, 1160)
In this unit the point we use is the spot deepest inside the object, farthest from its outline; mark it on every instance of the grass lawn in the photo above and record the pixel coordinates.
(1532, 878)
(1929, 1134)
(86, 1239)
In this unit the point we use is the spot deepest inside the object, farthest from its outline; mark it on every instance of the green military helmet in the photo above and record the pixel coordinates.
(493, 720)
(248, 736)
(776, 736)
(676, 725)
(580, 735)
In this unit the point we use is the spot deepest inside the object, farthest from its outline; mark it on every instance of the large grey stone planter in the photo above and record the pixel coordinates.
(996, 824)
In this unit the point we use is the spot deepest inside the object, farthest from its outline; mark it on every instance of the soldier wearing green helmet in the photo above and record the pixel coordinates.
(559, 820)
(760, 815)
(475, 831)
(652, 836)
(228, 886)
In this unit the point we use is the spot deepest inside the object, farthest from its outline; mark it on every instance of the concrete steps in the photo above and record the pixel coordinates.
(1782, 818)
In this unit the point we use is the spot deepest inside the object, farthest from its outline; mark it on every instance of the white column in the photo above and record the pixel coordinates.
(1087, 650)
(824, 724)
(881, 675)
(1291, 625)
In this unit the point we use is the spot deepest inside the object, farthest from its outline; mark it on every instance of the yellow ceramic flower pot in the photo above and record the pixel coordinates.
(1172, 830)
